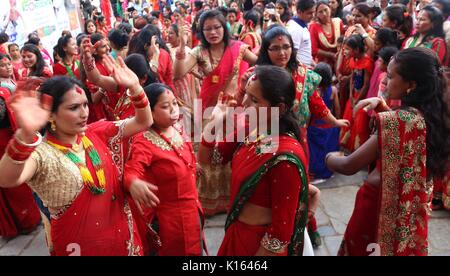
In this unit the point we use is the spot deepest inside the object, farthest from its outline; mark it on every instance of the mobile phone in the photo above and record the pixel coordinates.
(271, 11)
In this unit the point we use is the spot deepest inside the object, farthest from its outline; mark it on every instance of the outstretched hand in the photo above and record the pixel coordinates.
(31, 109)
(366, 105)
(120, 72)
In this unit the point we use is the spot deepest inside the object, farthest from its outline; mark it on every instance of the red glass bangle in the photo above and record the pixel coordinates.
(142, 104)
(138, 98)
(208, 144)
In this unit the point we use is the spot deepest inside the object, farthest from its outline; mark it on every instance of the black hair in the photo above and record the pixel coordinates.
(277, 87)
(2, 56)
(138, 64)
(304, 5)
(324, 70)
(100, 18)
(437, 20)
(155, 13)
(273, 32)
(387, 37)
(356, 42)
(125, 27)
(38, 68)
(223, 10)
(86, 24)
(57, 87)
(231, 10)
(198, 5)
(286, 16)
(252, 16)
(422, 66)
(153, 91)
(213, 14)
(62, 42)
(397, 13)
(339, 12)
(96, 38)
(386, 53)
(445, 7)
(80, 38)
(35, 40)
(4, 37)
(119, 38)
(195, 28)
(363, 8)
(142, 40)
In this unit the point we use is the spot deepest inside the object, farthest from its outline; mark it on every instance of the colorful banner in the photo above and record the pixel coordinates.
(48, 18)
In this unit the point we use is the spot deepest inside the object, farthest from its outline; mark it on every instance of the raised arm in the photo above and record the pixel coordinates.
(92, 73)
(183, 63)
(142, 119)
(31, 114)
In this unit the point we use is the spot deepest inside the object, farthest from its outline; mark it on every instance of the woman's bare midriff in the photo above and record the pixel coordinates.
(253, 214)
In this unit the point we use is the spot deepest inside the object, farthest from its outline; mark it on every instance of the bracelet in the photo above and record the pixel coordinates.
(138, 98)
(141, 104)
(89, 65)
(135, 95)
(36, 143)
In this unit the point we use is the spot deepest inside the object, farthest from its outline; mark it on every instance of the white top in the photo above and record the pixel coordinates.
(302, 42)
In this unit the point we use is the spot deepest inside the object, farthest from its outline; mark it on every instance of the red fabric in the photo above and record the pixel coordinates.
(358, 133)
(179, 211)
(60, 70)
(18, 211)
(278, 189)
(315, 28)
(216, 81)
(439, 46)
(24, 73)
(165, 68)
(361, 229)
(364, 63)
(97, 223)
(105, 6)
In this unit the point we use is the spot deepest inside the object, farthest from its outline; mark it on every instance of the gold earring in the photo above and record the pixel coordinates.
(53, 125)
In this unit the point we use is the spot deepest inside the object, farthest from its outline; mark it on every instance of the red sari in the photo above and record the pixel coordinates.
(172, 169)
(61, 69)
(354, 136)
(98, 224)
(221, 77)
(18, 210)
(323, 41)
(165, 68)
(394, 215)
(271, 180)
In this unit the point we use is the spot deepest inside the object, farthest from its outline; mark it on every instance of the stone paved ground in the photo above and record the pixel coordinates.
(337, 201)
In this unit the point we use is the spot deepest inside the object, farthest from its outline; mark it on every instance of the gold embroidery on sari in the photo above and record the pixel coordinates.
(156, 140)
(402, 175)
(273, 245)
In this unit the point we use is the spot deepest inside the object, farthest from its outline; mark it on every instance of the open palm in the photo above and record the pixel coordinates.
(120, 72)
(31, 113)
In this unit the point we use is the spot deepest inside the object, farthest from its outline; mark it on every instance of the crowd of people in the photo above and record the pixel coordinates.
(98, 140)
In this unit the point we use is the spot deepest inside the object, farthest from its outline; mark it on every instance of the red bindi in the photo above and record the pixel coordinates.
(79, 90)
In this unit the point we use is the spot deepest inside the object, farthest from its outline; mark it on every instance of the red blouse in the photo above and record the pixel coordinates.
(278, 189)
(155, 161)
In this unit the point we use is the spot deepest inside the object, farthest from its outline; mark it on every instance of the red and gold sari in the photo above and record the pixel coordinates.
(321, 40)
(221, 77)
(214, 179)
(87, 224)
(18, 211)
(272, 180)
(393, 217)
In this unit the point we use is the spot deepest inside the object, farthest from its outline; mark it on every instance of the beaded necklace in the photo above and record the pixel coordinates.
(86, 176)
(190, 165)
